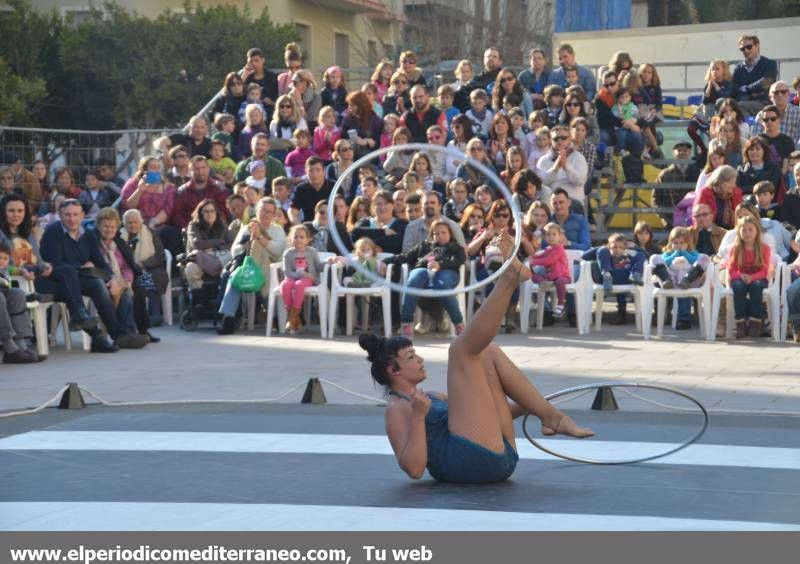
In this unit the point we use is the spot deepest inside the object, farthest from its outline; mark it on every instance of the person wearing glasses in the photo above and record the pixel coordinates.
(575, 107)
(789, 113)
(197, 142)
(408, 64)
(509, 93)
(230, 99)
(604, 103)
(706, 235)
(564, 167)
(753, 77)
(780, 144)
(397, 99)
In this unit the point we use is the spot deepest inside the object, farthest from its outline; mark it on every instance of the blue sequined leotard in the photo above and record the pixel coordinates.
(453, 458)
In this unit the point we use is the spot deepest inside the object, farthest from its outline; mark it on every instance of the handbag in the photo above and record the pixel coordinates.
(248, 277)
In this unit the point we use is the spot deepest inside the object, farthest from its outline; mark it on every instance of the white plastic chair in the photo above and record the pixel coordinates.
(166, 298)
(581, 288)
(600, 295)
(786, 281)
(320, 291)
(771, 298)
(460, 296)
(702, 294)
(382, 291)
(38, 313)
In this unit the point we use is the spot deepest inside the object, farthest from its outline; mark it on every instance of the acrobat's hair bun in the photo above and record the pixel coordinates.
(370, 343)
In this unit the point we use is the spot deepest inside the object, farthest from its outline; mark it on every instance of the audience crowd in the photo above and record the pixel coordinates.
(254, 182)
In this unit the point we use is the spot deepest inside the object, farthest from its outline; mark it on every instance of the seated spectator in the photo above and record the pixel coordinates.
(65, 183)
(772, 233)
(361, 124)
(390, 125)
(763, 195)
(718, 87)
(462, 133)
(231, 99)
(537, 216)
(509, 93)
(382, 77)
(479, 113)
(293, 58)
(753, 76)
(575, 106)
(358, 210)
(499, 219)
(649, 101)
(550, 265)
(208, 246)
(334, 91)
(133, 282)
(682, 266)
(535, 78)
(564, 167)
(413, 208)
(253, 97)
(499, 141)
(459, 199)
(296, 159)
(706, 236)
(728, 108)
(676, 173)
(554, 103)
(95, 195)
(148, 257)
(148, 192)
(408, 63)
(326, 134)
(643, 239)
(470, 174)
(472, 220)
(527, 188)
(790, 209)
(200, 187)
(575, 226)
(729, 141)
(76, 254)
(399, 201)
(25, 182)
(435, 264)
(627, 131)
(222, 167)
(285, 120)
(421, 166)
(397, 99)
(721, 196)
(195, 143)
(179, 173)
(485, 197)
(603, 103)
(254, 123)
(714, 159)
(793, 299)
(302, 268)
(579, 131)
(616, 263)
(757, 167)
(263, 240)
(398, 161)
(260, 146)
(306, 97)
(15, 323)
(789, 114)
(319, 230)
(342, 159)
(308, 193)
(538, 146)
(780, 144)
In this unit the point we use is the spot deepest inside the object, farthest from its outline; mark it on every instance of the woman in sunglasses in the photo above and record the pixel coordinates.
(397, 99)
(408, 64)
(575, 107)
(508, 93)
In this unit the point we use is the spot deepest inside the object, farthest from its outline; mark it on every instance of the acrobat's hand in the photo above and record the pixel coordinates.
(420, 403)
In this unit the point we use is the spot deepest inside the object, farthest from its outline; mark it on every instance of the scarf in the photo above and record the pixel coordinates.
(142, 244)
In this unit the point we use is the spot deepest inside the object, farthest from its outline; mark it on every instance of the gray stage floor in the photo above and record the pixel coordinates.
(328, 467)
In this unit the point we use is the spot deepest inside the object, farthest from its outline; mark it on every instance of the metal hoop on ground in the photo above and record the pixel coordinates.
(424, 292)
(568, 391)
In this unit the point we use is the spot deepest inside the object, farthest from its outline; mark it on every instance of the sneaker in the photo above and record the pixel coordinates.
(228, 326)
(20, 356)
(133, 341)
(608, 282)
(754, 328)
(406, 331)
(425, 325)
(684, 283)
(78, 323)
(153, 338)
(443, 325)
(559, 311)
(100, 345)
(636, 279)
(683, 325)
(741, 329)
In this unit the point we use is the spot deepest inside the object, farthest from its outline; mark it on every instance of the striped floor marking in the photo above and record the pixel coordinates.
(698, 454)
(108, 516)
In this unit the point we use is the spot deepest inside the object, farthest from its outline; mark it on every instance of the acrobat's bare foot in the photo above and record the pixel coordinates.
(506, 245)
(565, 425)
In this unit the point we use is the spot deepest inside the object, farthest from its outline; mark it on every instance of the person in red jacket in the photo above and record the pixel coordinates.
(551, 267)
(749, 271)
(722, 196)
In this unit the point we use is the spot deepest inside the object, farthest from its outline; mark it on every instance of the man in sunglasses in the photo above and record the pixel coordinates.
(564, 167)
(789, 113)
(753, 77)
(780, 144)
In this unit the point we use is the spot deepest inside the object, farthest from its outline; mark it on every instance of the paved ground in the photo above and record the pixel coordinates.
(289, 466)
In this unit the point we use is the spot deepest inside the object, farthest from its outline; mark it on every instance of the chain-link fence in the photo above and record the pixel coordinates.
(80, 151)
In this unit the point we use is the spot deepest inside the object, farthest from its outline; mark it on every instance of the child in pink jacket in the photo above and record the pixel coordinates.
(550, 266)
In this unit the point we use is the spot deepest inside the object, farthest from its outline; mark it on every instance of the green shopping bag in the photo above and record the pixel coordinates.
(248, 277)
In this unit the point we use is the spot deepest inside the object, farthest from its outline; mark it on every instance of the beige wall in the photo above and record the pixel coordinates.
(690, 43)
(324, 21)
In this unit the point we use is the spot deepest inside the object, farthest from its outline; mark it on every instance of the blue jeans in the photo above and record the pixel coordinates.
(231, 299)
(620, 276)
(442, 280)
(630, 140)
(482, 274)
(747, 298)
